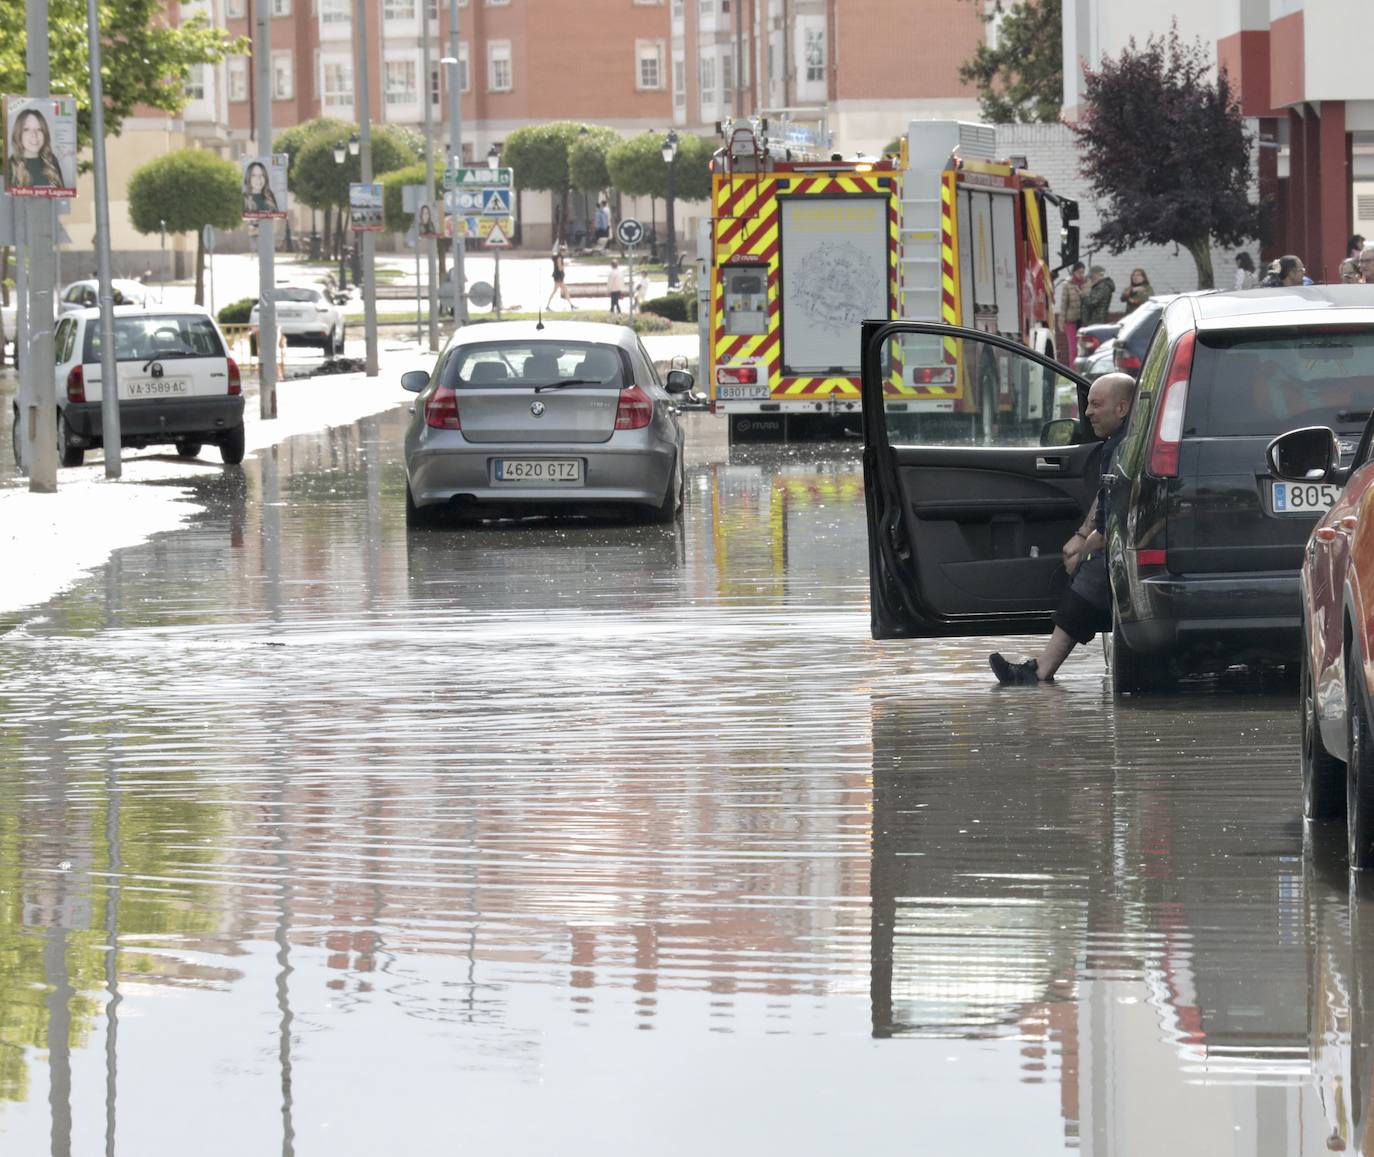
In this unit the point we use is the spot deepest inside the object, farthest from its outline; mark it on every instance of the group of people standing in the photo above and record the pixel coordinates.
(1087, 299)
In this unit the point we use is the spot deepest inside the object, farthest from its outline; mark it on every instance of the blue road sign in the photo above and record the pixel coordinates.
(496, 203)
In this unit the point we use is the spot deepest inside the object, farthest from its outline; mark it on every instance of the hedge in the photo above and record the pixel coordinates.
(675, 306)
(237, 312)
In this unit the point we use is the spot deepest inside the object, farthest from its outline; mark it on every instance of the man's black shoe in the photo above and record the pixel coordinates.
(1012, 673)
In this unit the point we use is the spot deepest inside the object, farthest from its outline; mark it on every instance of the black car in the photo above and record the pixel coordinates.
(1136, 332)
(965, 527)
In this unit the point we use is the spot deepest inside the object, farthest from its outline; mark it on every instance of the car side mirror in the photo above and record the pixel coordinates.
(1311, 454)
(1059, 432)
(414, 380)
(679, 382)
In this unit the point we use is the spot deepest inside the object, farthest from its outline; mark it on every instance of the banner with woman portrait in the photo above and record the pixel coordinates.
(40, 146)
(264, 187)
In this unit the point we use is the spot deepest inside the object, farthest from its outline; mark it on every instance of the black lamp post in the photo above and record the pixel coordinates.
(669, 156)
(494, 163)
(341, 150)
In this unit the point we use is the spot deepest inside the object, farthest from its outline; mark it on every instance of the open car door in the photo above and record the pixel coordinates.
(974, 479)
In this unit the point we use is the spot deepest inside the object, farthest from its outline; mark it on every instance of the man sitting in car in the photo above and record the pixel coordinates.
(1086, 607)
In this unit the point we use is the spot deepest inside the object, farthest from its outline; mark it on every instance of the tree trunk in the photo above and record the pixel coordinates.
(200, 266)
(1201, 249)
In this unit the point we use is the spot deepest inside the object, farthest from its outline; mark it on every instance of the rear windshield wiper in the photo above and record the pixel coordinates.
(1353, 415)
(571, 382)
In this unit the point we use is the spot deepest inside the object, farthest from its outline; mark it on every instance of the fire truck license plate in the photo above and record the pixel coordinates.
(742, 393)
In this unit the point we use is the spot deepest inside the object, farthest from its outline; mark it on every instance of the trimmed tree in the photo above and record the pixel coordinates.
(395, 217)
(321, 182)
(1166, 152)
(539, 156)
(188, 189)
(636, 167)
(1022, 79)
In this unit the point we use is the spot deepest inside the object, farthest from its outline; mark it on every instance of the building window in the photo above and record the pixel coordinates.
(677, 9)
(399, 10)
(815, 54)
(727, 74)
(649, 65)
(399, 82)
(464, 78)
(283, 76)
(496, 3)
(238, 78)
(436, 95)
(336, 83)
(499, 77)
(679, 82)
(281, 7)
(707, 79)
(335, 12)
(234, 9)
(195, 82)
(650, 3)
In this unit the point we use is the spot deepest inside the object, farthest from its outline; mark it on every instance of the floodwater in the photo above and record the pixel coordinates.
(322, 837)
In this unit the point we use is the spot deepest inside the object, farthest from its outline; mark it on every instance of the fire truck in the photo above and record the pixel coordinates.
(805, 248)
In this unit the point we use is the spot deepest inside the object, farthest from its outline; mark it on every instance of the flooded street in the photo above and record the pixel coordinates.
(601, 839)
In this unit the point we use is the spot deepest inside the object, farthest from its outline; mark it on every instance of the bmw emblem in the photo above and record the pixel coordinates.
(537, 408)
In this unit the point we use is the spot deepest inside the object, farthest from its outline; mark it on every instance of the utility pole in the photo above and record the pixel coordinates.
(109, 370)
(267, 279)
(430, 243)
(455, 148)
(39, 358)
(360, 34)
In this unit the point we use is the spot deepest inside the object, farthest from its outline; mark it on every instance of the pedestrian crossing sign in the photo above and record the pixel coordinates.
(496, 203)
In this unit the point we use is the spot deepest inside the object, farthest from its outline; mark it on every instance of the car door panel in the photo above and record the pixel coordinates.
(966, 538)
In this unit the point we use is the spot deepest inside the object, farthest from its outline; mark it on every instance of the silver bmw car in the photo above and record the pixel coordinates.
(527, 417)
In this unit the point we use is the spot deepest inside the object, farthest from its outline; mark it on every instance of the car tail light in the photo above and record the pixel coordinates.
(1086, 345)
(235, 380)
(635, 409)
(1123, 359)
(76, 385)
(744, 375)
(1152, 557)
(441, 411)
(1167, 436)
(936, 375)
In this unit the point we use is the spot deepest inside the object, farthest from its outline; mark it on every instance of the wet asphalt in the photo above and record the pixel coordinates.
(583, 838)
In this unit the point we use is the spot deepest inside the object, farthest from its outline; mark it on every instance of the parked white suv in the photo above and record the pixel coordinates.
(177, 384)
(306, 315)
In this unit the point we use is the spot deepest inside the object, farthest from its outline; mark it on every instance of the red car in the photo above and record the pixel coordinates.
(1337, 584)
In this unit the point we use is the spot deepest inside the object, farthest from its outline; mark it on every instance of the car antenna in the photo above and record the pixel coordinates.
(540, 323)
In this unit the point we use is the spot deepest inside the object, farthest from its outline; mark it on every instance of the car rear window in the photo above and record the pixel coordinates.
(1262, 383)
(542, 363)
(160, 335)
(292, 294)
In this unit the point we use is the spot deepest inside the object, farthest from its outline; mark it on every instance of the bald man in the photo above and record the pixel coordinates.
(1086, 607)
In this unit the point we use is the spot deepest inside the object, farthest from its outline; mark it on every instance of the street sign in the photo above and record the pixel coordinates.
(207, 236)
(496, 203)
(629, 232)
(481, 294)
(412, 197)
(496, 239)
(470, 178)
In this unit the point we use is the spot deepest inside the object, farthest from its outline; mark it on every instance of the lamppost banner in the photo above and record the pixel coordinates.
(264, 187)
(40, 146)
(365, 207)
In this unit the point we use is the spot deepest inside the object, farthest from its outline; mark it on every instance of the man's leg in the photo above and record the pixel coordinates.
(1085, 609)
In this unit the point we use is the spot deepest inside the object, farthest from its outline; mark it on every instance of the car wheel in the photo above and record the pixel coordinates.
(671, 506)
(68, 453)
(419, 516)
(1131, 671)
(1359, 772)
(1323, 776)
(231, 446)
(187, 448)
(339, 341)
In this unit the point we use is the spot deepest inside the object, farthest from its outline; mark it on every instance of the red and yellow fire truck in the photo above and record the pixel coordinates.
(804, 249)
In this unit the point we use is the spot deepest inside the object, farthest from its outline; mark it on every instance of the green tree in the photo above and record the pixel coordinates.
(321, 182)
(396, 218)
(587, 159)
(146, 60)
(292, 141)
(1022, 79)
(187, 189)
(1166, 152)
(637, 169)
(539, 156)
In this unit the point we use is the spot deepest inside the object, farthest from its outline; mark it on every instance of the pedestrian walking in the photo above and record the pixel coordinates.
(1071, 311)
(1138, 292)
(615, 284)
(1245, 271)
(603, 221)
(560, 289)
(1097, 299)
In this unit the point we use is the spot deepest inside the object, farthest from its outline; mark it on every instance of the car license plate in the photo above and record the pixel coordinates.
(741, 393)
(539, 471)
(157, 387)
(1302, 497)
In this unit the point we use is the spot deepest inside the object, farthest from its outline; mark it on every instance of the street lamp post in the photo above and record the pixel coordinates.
(669, 151)
(455, 148)
(494, 163)
(341, 151)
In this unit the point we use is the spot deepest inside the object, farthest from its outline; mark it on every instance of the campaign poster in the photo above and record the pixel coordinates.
(427, 220)
(40, 146)
(264, 187)
(365, 207)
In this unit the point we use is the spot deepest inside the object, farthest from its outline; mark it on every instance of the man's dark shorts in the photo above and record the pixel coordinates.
(1086, 607)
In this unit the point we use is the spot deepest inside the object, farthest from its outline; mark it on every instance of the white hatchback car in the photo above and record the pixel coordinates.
(85, 294)
(306, 315)
(177, 383)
